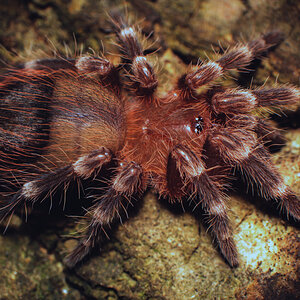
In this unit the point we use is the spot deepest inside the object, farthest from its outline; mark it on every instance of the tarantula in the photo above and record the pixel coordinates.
(63, 120)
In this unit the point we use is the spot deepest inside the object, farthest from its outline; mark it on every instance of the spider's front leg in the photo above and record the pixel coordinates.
(142, 75)
(32, 191)
(192, 171)
(237, 58)
(128, 181)
(239, 148)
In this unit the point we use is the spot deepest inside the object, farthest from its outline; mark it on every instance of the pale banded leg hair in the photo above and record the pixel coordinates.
(142, 75)
(105, 71)
(33, 191)
(268, 134)
(210, 196)
(237, 101)
(128, 181)
(271, 136)
(237, 58)
(240, 149)
(84, 65)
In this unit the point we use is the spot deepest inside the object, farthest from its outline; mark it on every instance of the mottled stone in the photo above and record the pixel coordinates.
(160, 253)
(27, 271)
(201, 24)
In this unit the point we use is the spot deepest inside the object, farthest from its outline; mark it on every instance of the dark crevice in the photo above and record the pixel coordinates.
(193, 252)
(288, 119)
(81, 288)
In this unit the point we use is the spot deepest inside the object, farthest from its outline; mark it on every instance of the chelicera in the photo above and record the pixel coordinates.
(63, 120)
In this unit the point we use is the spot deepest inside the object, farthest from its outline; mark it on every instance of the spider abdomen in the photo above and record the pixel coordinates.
(68, 115)
(87, 116)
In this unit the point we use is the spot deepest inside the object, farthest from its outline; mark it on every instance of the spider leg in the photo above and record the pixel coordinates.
(274, 38)
(142, 75)
(265, 131)
(270, 135)
(243, 101)
(192, 170)
(238, 147)
(127, 182)
(32, 191)
(102, 68)
(84, 65)
(237, 58)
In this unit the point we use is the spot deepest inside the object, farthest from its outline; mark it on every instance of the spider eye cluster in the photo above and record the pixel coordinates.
(198, 124)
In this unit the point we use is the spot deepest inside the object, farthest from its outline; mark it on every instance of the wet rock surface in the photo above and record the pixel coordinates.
(160, 252)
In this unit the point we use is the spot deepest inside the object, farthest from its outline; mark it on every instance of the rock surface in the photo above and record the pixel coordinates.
(160, 252)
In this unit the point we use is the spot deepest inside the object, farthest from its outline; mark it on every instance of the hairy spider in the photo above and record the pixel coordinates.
(63, 120)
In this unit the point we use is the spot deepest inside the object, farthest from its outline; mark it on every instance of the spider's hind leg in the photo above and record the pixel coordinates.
(209, 194)
(261, 172)
(128, 181)
(33, 191)
(103, 69)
